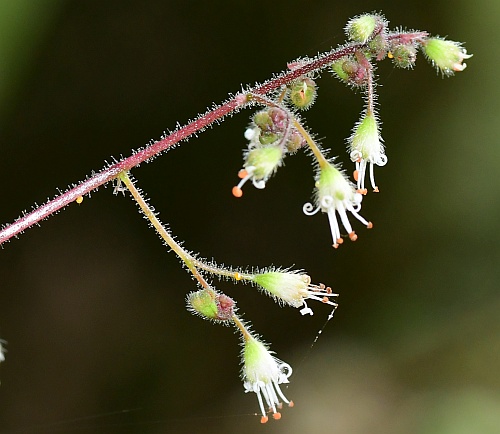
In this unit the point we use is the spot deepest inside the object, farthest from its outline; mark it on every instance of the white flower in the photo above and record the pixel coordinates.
(294, 288)
(336, 195)
(262, 374)
(260, 163)
(446, 56)
(365, 146)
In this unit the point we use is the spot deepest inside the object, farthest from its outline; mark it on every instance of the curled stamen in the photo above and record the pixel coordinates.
(336, 196)
(308, 209)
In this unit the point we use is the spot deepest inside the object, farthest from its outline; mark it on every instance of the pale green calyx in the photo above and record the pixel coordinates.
(303, 93)
(336, 195)
(338, 69)
(360, 29)
(365, 146)
(446, 56)
(262, 374)
(260, 163)
(293, 288)
(264, 161)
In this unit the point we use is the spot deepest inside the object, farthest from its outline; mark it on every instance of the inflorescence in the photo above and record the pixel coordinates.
(276, 131)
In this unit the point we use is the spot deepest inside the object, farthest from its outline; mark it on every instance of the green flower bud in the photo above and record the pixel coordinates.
(295, 142)
(378, 46)
(263, 120)
(267, 137)
(303, 93)
(351, 71)
(361, 28)
(446, 56)
(404, 56)
(338, 69)
(211, 305)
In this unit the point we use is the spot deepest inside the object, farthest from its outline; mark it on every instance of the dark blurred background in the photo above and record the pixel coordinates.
(92, 304)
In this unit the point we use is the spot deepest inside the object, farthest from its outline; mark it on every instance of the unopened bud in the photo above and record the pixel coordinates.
(303, 93)
(211, 305)
(361, 28)
(404, 56)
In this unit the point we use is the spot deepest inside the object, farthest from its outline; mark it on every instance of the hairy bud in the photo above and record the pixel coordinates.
(212, 305)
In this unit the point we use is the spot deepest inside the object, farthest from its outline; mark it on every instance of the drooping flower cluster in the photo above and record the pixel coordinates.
(335, 195)
(276, 130)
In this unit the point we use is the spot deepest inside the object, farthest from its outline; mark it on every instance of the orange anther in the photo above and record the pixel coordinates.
(79, 200)
(264, 419)
(335, 246)
(237, 192)
(325, 299)
(291, 404)
(355, 174)
(277, 416)
(353, 236)
(340, 240)
(369, 225)
(328, 290)
(242, 174)
(376, 190)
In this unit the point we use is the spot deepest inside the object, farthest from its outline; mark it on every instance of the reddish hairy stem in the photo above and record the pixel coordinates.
(156, 148)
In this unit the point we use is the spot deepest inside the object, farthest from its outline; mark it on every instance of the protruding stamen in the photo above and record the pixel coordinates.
(264, 419)
(355, 175)
(277, 416)
(369, 225)
(291, 404)
(353, 236)
(376, 190)
(242, 174)
(237, 191)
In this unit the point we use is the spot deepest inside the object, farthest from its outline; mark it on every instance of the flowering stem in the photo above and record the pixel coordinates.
(322, 161)
(246, 334)
(150, 215)
(223, 272)
(200, 123)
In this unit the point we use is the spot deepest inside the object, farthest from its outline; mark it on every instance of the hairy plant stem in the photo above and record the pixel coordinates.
(200, 123)
(191, 262)
(150, 215)
(246, 334)
(322, 161)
